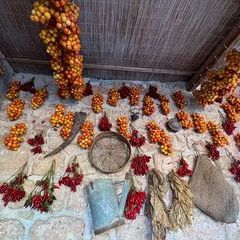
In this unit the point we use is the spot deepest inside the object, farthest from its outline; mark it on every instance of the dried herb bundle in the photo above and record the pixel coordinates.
(182, 205)
(156, 208)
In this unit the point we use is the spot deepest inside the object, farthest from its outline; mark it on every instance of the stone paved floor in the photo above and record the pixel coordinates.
(70, 219)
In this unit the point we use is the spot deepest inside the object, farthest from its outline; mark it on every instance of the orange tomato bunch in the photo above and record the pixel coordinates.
(13, 90)
(232, 115)
(122, 126)
(148, 106)
(199, 123)
(113, 97)
(61, 36)
(15, 109)
(218, 137)
(97, 103)
(164, 104)
(68, 122)
(234, 102)
(134, 96)
(14, 139)
(86, 138)
(154, 132)
(57, 118)
(38, 98)
(179, 99)
(158, 135)
(185, 119)
(220, 82)
(237, 140)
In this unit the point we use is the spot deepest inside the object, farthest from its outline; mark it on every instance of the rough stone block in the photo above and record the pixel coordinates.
(11, 230)
(59, 228)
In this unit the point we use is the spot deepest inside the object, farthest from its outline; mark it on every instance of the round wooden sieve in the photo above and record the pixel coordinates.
(109, 152)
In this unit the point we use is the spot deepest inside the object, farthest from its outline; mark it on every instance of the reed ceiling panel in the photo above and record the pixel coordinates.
(176, 34)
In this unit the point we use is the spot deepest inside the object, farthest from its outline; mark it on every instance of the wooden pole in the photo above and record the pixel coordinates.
(220, 49)
(108, 67)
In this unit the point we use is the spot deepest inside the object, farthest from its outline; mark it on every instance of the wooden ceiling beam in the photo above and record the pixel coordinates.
(212, 58)
(108, 67)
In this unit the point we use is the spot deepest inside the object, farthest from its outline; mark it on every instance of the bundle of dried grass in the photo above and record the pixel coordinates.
(182, 205)
(156, 209)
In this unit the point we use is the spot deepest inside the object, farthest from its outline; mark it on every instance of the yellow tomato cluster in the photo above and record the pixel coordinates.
(122, 126)
(86, 138)
(199, 123)
(158, 135)
(185, 119)
(15, 109)
(14, 139)
(39, 98)
(13, 90)
(113, 97)
(148, 106)
(134, 96)
(179, 99)
(97, 103)
(164, 104)
(218, 137)
(232, 115)
(57, 118)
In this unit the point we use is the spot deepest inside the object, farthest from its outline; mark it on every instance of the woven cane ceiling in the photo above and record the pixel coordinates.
(158, 34)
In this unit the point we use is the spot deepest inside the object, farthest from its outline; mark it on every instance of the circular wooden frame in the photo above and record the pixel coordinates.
(109, 134)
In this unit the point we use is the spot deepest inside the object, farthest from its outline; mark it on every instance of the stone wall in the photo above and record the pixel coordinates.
(70, 216)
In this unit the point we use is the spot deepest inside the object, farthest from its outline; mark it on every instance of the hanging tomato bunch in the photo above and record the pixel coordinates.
(221, 82)
(234, 102)
(38, 98)
(68, 122)
(14, 139)
(185, 119)
(57, 118)
(158, 135)
(164, 104)
(134, 96)
(122, 126)
(97, 103)
(15, 109)
(61, 35)
(148, 106)
(232, 115)
(13, 90)
(199, 123)
(113, 97)
(218, 137)
(86, 138)
(179, 99)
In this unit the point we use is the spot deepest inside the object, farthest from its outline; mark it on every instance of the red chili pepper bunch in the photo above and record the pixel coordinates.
(213, 152)
(235, 170)
(13, 190)
(140, 164)
(152, 92)
(124, 91)
(228, 127)
(72, 177)
(104, 123)
(137, 140)
(88, 90)
(28, 87)
(42, 196)
(134, 204)
(184, 170)
(36, 142)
